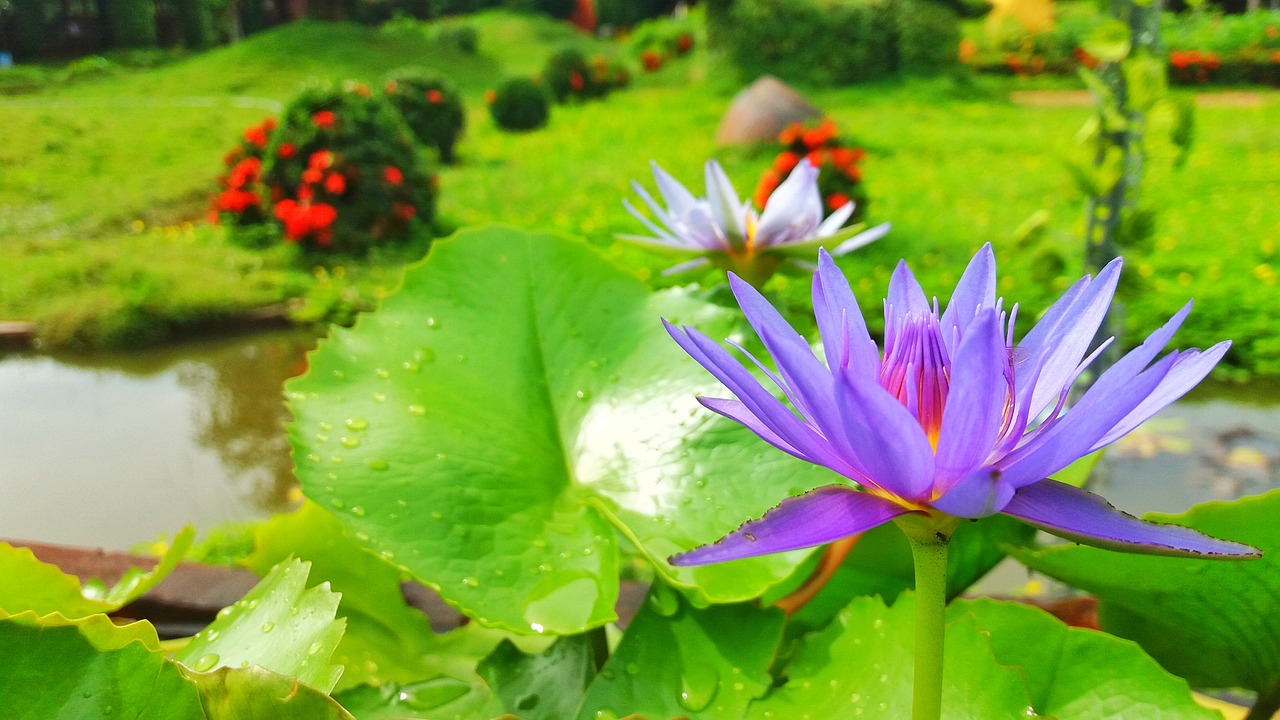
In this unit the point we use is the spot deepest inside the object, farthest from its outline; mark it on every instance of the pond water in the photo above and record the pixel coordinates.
(112, 450)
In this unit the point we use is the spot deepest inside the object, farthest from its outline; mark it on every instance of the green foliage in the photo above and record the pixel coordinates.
(462, 36)
(278, 625)
(195, 18)
(253, 16)
(34, 586)
(928, 35)
(545, 686)
(628, 13)
(1214, 623)
(432, 108)
(133, 23)
(794, 40)
(503, 474)
(519, 105)
(567, 76)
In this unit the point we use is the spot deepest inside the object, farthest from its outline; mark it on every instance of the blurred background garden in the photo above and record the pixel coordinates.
(191, 192)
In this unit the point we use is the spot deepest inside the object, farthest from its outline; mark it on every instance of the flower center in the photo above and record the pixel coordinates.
(917, 371)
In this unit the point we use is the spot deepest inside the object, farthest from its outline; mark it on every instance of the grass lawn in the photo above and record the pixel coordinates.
(951, 164)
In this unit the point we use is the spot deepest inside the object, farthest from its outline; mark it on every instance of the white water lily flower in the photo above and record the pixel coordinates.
(727, 232)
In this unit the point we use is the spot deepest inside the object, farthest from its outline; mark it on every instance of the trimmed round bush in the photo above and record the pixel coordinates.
(339, 172)
(463, 37)
(519, 105)
(569, 76)
(432, 108)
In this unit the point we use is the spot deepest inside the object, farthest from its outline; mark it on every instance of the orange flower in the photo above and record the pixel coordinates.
(256, 135)
(490, 96)
(785, 162)
(393, 175)
(361, 89)
(1272, 32)
(836, 200)
(845, 157)
(968, 51)
(269, 124)
(791, 133)
(769, 182)
(325, 119)
(335, 184)
(821, 135)
(391, 87)
(651, 59)
(434, 97)
(816, 158)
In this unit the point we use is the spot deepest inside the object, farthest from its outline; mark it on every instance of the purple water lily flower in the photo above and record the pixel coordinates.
(729, 233)
(951, 419)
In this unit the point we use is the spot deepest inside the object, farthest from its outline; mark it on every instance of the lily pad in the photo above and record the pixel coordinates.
(44, 589)
(513, 409)
(1215, 623)
(278, 625)
(676, 660)
(89, 668)
(545, 686)
(862, 665)
(1077, 674)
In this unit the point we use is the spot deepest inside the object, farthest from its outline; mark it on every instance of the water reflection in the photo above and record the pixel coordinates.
(111, 450)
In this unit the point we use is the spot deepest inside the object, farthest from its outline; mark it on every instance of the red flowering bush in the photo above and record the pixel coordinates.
(569, 76)
(339, 172)
(1193, 65)
(432, 108)
(839, 176)
(519, 105)
(650, 59)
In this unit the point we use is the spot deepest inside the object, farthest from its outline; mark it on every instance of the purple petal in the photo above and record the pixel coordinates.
(761, 403)
(976, 289)
(1071, 437)
(883, 439)
(978, 494)
(905, 294)
(1189, 369)
(845, 339)
(816, 518)
(1057, 343)
(975, 407)
(1086, 518)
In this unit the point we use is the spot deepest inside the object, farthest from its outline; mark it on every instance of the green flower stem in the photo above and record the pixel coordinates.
(929, 544)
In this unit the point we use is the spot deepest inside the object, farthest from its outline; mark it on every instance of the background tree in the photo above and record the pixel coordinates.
(29, 17)
(133, 23)
(195, 19)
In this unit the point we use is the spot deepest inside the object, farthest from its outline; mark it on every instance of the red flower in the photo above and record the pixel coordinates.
(791, 133)
(1179, 59)
(816, 158)
(768, 183)
(236, 201)
(311, 176)
(785, 162)
(256, 135)
(404, 211)
(434, 97)
(1085, 59)
(269, 124)
(821, 135)
(324, 119)
(651, 60)
(1272, 32)
(232, 157)
(393, 175)
(320, 160)
(845, 158)
(335, 184)
(836, 200)
(684, 43)
(323, 215)
(244, 172)
(286, 151)
(302, 219)
(305, 193)
(575, 81)
(391, 87)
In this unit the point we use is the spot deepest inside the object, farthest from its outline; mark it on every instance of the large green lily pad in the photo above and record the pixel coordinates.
(513, 409)
(1215, 623)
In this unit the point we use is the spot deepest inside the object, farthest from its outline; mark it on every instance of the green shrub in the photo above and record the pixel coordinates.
(133, 23)
(253, 16)
(811, 42)
(520, 105)
(568, 76)
(431, 107)
(340, 172)
(196, 21)
(559, 9)
(928, 37)
(21, 79)
(463, 37)
(628, 13)
(666, 35)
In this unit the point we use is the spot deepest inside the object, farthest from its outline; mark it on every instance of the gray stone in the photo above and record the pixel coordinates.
(761, 111)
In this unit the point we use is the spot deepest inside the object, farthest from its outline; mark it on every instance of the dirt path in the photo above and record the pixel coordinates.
(1082, 98)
